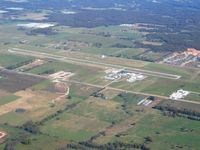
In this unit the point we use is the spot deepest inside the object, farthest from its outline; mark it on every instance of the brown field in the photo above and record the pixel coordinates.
(3, 93)
(36, 104)
(20, 103)
(13, 82)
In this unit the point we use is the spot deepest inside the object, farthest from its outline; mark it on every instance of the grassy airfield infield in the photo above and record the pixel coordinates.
(87, 111)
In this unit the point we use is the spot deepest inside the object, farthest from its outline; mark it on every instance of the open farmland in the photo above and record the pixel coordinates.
(13, 82)
(95, 110)
(155, 126)
(99, 75)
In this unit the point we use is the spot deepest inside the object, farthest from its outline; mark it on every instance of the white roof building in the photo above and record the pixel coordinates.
(179, 94)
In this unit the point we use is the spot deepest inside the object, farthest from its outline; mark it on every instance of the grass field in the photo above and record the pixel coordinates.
(185, 73)
(193, 96)
(171, 133)
(8, 98)
(167, 87)
(11, 59)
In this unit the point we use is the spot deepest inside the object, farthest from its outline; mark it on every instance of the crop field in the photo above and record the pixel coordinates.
(13, 82)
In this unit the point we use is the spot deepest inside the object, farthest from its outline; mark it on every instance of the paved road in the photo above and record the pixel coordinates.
(103, 86)
(57, 57)
(83, 61)
(128, 91)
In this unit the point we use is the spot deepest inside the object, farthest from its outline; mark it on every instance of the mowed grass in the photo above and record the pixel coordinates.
(159, 86)
(183, 72)
(11, 59)
(136, 86)
(14, 118)
(166, 87)
(8, 99)
(81, 73)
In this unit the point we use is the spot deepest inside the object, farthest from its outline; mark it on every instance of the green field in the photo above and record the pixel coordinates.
(8, 99)
(11, 59)
(193, 96)
(171, 133)
(166, 87)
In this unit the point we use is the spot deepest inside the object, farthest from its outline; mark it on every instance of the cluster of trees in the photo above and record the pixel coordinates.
(23, 138)
(99, 95)
(126, 98)
(104, 34)
(108, 146)
(49, 71)
(177, 31)
(93, 138)
(119, 45)
(30, 127)
(97, 44)
(33, 128)
(179, 112)
(43, 31)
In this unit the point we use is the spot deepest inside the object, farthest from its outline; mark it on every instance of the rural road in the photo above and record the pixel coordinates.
(83, 61)
(102, 86)
(128, 91)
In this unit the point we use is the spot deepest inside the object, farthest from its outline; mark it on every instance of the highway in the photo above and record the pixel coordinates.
(89, 62)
